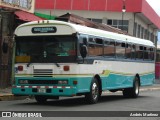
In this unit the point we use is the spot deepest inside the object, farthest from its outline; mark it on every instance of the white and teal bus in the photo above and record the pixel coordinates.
(54, 58)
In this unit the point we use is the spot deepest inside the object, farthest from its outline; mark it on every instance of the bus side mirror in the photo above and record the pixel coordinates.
(5, 47)
(83, 51)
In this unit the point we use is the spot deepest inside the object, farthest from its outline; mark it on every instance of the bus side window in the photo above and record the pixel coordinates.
(120, 49)
(83, 40)
(95, 47)
(146, 53)
(91, 46)
(109, 48)
(151, 54)
(133, 52)
(128, 51)
(139, 52)
(99, 41)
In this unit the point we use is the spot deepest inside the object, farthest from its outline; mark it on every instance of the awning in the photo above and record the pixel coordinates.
(45, 16)
(25, 16)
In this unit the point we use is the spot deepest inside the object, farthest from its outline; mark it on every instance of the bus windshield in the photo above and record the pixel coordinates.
(45, 49)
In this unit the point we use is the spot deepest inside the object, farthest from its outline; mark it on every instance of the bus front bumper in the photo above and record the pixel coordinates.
(44, 90)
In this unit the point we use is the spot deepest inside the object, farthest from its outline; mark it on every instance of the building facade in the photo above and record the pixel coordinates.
(12, 14)
(139, 19)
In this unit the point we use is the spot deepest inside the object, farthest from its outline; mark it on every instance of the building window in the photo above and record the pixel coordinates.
(95, 20)
(109, 22)
(119, 24)
(152, 37)
(149, 35)
(142, 32)
(155, 38)
(139, 31)
(145, 34)
(115, 22)
(135, 30)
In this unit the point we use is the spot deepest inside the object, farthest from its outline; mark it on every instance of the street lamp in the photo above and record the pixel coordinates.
(123, 11)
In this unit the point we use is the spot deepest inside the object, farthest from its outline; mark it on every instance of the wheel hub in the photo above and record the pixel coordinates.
(94, 91)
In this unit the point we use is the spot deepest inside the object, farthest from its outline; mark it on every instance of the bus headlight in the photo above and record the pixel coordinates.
(62, 82)
(23, 81)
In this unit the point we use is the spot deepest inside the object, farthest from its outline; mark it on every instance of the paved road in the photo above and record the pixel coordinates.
(147, 101)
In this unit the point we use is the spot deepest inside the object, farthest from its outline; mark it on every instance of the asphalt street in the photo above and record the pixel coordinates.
(147, 101)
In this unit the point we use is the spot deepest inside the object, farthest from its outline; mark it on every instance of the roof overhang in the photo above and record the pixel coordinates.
(147, 21)
(25, 16)
(150, 14)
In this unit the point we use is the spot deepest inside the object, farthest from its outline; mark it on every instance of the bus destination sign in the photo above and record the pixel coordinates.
(44, 30)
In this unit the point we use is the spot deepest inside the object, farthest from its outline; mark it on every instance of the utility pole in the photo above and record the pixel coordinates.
(123, 11)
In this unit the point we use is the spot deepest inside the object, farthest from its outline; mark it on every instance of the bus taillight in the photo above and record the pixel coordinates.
(66, 68)
(75, 82)
(20, 68)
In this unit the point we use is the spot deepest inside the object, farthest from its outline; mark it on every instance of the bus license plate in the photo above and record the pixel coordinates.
(42, 90)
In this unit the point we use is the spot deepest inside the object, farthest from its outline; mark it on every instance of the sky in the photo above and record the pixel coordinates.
(155, 4)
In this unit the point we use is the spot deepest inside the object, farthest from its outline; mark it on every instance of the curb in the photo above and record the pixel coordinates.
(149, 89)
(141, 89)
(9, 97)
(6, 97)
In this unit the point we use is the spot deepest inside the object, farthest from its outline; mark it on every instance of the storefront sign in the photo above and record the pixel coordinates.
(27, 5)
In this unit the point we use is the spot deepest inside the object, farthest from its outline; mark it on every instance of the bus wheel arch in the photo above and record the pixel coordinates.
(95, 90)
(133, 92)
(99, 82)
(138, 77)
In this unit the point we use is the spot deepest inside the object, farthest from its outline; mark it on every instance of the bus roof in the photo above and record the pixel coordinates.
(69, 28)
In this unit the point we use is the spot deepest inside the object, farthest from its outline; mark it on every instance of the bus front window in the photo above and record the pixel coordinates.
(45, 49)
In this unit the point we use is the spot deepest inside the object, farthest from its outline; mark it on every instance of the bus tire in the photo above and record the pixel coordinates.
(40, 99)
(94, 94)
(134, 91)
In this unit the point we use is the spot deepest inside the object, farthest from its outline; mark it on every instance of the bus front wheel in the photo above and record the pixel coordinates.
(94, 94)
(40, 99)
(134, 91)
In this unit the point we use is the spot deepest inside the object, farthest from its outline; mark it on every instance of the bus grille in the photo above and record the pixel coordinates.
(51, 82)
(42, 72)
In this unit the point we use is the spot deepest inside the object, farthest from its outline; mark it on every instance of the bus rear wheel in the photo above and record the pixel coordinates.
(94, 94)
(134, 91)
(40, 99)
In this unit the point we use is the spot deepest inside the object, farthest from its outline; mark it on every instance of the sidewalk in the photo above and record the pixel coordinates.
(6, 94)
